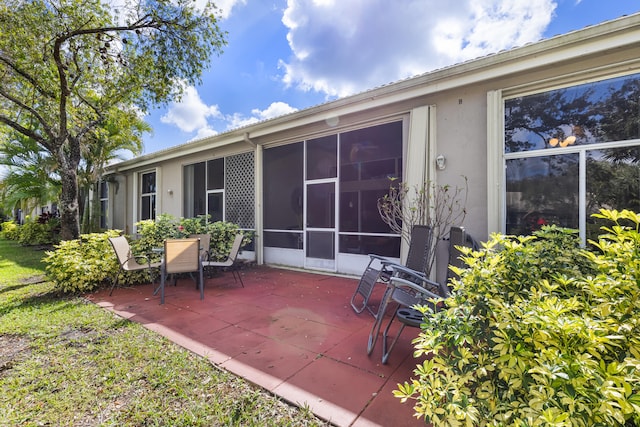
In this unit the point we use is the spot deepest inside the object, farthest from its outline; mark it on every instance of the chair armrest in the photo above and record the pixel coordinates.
(386, 265)
(140, 259)
(419, 277)
(399, 283)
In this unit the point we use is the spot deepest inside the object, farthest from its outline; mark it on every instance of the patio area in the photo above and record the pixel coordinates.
(293, 333)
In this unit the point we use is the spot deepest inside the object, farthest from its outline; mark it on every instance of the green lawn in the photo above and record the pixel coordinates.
(67, 362)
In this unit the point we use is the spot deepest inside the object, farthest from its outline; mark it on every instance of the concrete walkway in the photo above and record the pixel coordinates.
(293, 333)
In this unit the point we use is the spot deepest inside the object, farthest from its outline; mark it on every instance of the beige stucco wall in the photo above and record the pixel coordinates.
(456, 97)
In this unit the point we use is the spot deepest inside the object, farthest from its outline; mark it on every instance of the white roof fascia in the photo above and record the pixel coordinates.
(602, 38)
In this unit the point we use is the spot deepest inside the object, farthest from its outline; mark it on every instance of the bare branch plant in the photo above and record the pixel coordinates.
(438, 206)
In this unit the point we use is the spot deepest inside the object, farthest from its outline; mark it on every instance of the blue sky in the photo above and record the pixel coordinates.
(287, 55)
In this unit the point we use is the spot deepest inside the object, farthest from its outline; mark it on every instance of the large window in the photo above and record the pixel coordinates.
(204, 190)
(570, 152)
(362, 162)
(148, 195)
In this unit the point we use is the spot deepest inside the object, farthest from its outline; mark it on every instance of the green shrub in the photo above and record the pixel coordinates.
(38, 233)
(85, 264)
(538, 331)
(10, 230)
(222, 236)
(152, 234)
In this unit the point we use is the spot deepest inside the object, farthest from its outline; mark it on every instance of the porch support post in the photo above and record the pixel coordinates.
(259, 214)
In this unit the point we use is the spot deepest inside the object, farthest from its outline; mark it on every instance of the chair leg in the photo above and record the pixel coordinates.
(375, 329)
(161, 286)
(406, 317)
(387, 351)
(236, 272)
(162, 282)
(201, 284)
(115, 281)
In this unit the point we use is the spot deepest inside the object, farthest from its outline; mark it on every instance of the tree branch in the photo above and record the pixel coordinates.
(25, 131)
(15, 125)
(26, 76)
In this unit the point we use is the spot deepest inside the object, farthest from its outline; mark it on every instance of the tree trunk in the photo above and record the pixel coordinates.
(69, 212)
(68, 157)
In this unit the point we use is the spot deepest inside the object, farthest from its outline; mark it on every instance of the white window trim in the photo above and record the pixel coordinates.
(495, 163)
(138, 194)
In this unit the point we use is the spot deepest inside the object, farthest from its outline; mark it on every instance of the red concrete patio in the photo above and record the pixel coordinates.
(291, 332)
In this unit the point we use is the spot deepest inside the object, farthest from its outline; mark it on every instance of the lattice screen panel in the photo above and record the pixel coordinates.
(239, 190)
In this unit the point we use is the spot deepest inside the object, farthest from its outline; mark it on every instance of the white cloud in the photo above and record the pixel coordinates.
(274, 110)
(190, 113)
(342, 47)
(225, 7)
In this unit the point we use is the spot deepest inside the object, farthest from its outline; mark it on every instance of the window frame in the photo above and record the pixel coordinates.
(152, 195)
(496, 131)
(189, 192)
(103, 188)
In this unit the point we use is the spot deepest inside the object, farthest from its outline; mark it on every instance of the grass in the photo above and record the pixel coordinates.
(67, 362)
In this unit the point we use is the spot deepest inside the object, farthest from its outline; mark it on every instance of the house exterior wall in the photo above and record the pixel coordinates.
(455, 112)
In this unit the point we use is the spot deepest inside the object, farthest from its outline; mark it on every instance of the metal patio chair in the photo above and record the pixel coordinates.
(406, 288)
(181, 256)
(205, 244)
(380, 268)
(231, 262)
(128, 261)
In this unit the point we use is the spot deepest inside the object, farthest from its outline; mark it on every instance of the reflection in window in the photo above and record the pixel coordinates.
(576, 125)
(602, 111)
(542, 191)
(613, 182)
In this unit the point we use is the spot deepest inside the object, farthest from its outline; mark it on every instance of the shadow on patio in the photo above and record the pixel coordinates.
(293, 333)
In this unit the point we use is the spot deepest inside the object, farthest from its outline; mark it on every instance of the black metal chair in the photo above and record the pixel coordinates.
(380, 269)
(406, 288)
